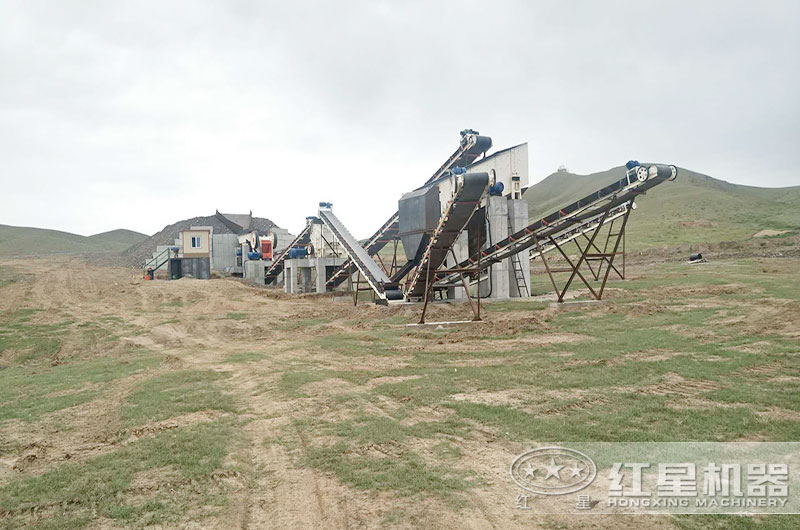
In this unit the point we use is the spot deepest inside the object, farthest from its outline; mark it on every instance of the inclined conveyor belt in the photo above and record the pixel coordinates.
(471, 147)
(470, 191)
(277, 266)
(374, 244)
(603, 205)
(372, 272)
(576, 232)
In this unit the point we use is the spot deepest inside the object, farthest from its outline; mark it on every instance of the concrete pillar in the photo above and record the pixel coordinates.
(319, 265)
(461, 249)
(518, 215)
(497, 211)
(289, 277)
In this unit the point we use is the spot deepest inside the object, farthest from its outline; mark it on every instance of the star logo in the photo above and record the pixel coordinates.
(553, 470)
(576, 470)
(529, 470)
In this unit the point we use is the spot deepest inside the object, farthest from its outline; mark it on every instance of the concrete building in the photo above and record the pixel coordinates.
(309, 275)
(218, 241)
(193, 258)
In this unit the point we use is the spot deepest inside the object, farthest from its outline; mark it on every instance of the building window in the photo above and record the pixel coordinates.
(196, 242)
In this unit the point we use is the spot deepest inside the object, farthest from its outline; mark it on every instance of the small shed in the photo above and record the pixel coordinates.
(196, 242)
(195, 261)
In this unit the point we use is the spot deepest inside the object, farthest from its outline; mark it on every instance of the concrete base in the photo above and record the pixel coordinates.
(309, 275)
(199, 268)
(502, 283)
(448, 323)
(254, 270)
(497, 211)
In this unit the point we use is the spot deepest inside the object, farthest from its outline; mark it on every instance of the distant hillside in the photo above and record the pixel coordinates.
(694, 209)
(120, 238)
(26, 241)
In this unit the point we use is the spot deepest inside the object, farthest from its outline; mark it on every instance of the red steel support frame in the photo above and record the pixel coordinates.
(357, 289)
(586, 256)
(358, 285)
(394, 265)
(475, 306)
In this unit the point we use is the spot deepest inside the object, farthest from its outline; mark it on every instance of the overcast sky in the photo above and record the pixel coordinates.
(138, 114)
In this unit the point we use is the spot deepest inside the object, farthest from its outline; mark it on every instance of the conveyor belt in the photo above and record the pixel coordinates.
(372, 272)
(471, 189)
(470, 148)
(575, 232)
(374, 244)
(277, 266)
(577, 216)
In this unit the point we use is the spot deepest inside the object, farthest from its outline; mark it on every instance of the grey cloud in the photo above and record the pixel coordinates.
(173, 109)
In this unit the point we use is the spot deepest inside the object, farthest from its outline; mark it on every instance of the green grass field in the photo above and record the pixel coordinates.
(420, 418)
(683, 354)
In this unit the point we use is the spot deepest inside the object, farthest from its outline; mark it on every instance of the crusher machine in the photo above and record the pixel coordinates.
(276, 269)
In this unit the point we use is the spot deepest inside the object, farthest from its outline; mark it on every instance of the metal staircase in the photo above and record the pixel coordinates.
(516, 267)
(158, 260)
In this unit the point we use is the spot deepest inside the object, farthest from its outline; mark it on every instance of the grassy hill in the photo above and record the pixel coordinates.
(119, 239)
(694, 209)
(25, 241)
